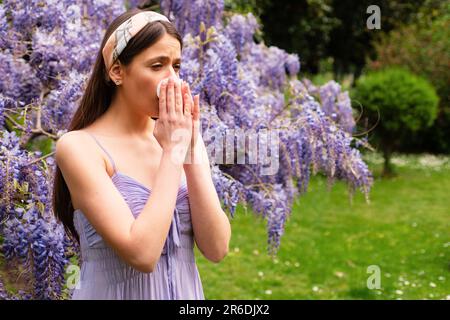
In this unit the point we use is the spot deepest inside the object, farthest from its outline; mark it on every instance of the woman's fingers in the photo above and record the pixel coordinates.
(194, 104)
(190, 96)
(170, 98)
(178, 98)
(162, 100)
(196, 109)
(187, 104)
(184, 90)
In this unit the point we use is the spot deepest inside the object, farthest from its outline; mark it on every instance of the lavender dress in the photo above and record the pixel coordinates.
(105, 276)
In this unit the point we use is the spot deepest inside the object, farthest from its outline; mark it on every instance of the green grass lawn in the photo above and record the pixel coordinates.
(328, 243)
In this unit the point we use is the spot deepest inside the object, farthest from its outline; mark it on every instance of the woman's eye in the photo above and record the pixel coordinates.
(158, 66)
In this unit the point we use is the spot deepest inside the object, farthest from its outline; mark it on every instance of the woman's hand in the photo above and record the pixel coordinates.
(192, 103)
(173, 129)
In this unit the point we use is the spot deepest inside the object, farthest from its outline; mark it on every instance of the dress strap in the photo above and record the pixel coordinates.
(107, 153)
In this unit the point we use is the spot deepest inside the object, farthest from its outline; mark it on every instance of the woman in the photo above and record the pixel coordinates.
(122, 188)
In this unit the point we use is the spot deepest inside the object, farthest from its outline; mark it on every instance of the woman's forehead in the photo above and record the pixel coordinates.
(165, 48)
(167, 44)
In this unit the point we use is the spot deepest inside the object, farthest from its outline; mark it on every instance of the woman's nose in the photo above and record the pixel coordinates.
(174, 77)
(173, 74)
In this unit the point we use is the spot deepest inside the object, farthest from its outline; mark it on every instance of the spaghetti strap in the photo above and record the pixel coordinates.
(107, 153)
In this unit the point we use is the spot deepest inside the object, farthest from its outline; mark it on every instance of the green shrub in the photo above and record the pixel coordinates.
(423, 48)
(403, 103)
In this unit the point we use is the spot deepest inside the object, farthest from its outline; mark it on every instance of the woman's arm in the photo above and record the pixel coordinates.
(212, 230)
(139, 242)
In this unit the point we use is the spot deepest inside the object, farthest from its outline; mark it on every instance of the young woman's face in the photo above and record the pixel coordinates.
(147, 69)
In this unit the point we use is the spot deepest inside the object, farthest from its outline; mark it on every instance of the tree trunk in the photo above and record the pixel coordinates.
(388, 169)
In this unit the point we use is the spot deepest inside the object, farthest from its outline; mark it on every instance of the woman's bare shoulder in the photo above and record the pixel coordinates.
(74, 144)
(74, 135)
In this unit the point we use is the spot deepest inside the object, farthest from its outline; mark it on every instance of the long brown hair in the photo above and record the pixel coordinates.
(97, 98)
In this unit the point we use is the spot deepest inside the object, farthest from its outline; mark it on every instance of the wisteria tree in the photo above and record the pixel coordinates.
(46, 53)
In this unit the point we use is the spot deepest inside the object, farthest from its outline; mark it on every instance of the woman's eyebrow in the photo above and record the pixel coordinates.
(162, 58)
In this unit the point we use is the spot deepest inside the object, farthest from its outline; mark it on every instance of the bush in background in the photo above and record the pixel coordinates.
(404, 103)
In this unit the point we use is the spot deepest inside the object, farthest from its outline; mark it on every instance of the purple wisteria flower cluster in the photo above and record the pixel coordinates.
(46, 53)
(31, 238)
(47, 50)
(335, 103)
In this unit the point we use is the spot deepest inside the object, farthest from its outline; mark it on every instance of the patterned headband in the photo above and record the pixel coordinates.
(121, 36)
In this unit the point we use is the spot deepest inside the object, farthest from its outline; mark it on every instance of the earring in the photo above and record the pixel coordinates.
(117, 82)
